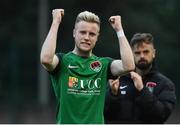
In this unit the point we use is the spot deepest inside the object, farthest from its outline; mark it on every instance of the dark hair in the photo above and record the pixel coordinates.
(139, 38)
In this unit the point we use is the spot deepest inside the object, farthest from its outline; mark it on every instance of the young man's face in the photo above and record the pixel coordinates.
(86, 35)
(143, 55)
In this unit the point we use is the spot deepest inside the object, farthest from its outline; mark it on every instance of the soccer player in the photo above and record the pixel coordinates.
(79, 77)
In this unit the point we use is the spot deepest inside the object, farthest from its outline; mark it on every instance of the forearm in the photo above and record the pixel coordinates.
(49, 46)
(126, 64)
(125, 52)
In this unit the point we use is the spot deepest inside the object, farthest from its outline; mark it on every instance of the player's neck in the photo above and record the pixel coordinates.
(83, 54)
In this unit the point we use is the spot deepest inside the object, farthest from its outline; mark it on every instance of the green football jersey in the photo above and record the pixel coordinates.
(80, 84)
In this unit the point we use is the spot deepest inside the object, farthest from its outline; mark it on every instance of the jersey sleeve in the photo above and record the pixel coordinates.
(54, 75)
(56, 70)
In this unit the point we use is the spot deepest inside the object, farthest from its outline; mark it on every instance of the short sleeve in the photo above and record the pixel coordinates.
(56, 70)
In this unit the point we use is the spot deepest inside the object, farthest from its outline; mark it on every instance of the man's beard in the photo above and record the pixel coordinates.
(143, 66)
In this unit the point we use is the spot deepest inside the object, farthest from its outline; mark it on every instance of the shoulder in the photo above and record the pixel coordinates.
(59, 55)
(165, 80)
(104, 59)
(64, 55)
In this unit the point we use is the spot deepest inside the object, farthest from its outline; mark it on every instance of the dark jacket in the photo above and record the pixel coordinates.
(153, 104)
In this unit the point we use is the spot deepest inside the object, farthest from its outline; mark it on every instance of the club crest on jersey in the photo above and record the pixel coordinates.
(150, 86)
(96, 66)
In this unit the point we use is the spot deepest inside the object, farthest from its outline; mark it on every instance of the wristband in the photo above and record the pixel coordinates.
(120, 33)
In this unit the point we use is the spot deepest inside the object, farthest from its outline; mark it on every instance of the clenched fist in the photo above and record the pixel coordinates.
(115, 22)
(57, 15)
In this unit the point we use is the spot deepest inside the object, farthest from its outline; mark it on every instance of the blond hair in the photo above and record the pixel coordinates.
(88, 17)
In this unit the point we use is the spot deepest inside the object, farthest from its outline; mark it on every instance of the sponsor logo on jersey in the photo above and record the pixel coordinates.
(96, 66)
(150, 86)
(84, 86)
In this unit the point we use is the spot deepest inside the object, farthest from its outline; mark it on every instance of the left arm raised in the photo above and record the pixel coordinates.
(126, 64)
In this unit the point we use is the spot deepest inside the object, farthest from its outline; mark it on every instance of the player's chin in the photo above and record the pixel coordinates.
(86, 48)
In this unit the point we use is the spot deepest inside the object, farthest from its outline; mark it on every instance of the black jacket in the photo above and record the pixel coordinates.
(153, 104)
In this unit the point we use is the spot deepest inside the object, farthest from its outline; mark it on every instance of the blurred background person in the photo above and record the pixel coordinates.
(146, 96)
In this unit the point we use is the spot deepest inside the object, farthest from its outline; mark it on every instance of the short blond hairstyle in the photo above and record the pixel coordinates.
(88, 17)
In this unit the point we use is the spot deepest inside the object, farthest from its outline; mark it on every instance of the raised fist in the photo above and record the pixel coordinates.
(57, 15)
(115, 22)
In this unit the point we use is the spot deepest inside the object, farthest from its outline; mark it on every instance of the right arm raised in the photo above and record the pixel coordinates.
(48, 58)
